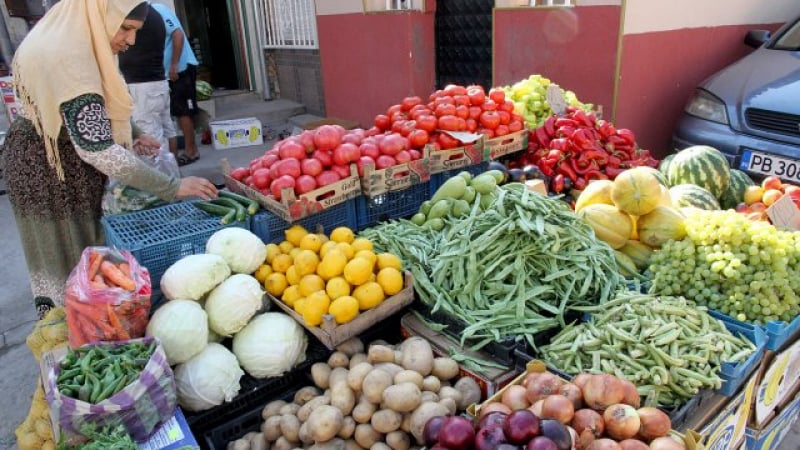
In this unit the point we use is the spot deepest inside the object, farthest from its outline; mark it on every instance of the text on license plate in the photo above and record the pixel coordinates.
(762, 163)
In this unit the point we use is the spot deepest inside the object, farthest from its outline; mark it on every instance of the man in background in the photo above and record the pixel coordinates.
(180, 66)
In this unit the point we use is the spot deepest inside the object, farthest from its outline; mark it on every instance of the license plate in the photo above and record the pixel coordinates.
(765, 164)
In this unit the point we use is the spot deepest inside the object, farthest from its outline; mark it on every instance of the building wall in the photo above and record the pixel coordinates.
(299, 76)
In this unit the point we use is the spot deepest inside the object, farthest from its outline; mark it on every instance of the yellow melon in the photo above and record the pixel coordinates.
(661, 225)
(598, 191)
(610, 225)
(636, 191)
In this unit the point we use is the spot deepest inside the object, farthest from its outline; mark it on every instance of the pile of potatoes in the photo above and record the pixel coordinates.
(378, 400)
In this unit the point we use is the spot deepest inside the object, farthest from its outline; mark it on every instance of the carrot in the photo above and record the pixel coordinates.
(87, 310)
(98, 282)
(76, 336)
(113, 274)
(125, 268)
(95, 259)
(122, 333)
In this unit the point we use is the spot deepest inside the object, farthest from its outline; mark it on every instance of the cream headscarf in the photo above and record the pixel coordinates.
(68, 54)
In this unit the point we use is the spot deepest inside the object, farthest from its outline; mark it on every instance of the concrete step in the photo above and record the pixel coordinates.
(249, 104)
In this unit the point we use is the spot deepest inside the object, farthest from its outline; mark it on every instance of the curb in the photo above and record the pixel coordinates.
(16, 335)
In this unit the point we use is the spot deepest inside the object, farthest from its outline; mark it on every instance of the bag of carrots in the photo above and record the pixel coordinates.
(107, 297)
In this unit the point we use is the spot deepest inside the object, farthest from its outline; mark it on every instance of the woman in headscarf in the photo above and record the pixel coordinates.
(75, 133)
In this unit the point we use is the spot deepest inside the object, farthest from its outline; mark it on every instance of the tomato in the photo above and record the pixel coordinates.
(427, 123)
(327, 177)
(240, 173)
(363, 162)
(397, 126)
(501, 130)
(418, 138)
(490, 119)
(382, 121)
(472, 125)
(515, 125)
(462, 124)
(445, 99)
(353, 138)
(487, 133)
(403, 157)
(462, 111)
(342, 170)
(345, 153)
(261, 179)
(327, 137)
(372, 131)
(449, 123)
(410, 102)
(446, 141)
(392, 144)
(476, 95)
(475, 112)
(311, 166)
(393, 109)
(369, 149)
(498, 95)
(304, 183)
(505, 117)
(398, 116)
(436, 94)
(268, 160)
(280, 183)
(340, 129)
(324, 156)
(288, 166)
(489, 105)
(445, 109)
(415, 154)
(385, 161)
(455, 89)
(461, 100)
(507, 105)
(307, 139)
(292, 149)
(419, 110)
(408, 127)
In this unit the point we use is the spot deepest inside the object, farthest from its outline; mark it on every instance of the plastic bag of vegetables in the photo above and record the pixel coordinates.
(35, 432)
(48, 333)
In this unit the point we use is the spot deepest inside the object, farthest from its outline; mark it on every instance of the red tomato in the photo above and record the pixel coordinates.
(268, 160)
(353, 138)
(304, 183)
(261, 179)
(507, 105)
(498, 95)
(325, 157)
(455, 89)
(393, 109)
(327, 177)
(240, 173)
(505, 117)
(515, 125)
(436, 94)
(427, 123)
(385, 161)
(501, 130)
(445, 99)
(398, 116)
(342, 170)
(489, 105)
(282, 182)
(472, 125)
(410, 102)
(288, 166)
(462, 124)
(345, 153)
(462, 111)
(490, 119)
(415, 154)
(419, 110)
(449, 123)
(487, 133)
(475, 112)
(292, 149)
(363, 162)
(446, 141)
(369, 149)
(476, 95)
(372, 131)
(392, 144)
(418, 138)
(445, 109)
(397, 126)
(403, 157)
(307, 139)
(461, 100)
(311, 166)
(408, 127)
(327, 137)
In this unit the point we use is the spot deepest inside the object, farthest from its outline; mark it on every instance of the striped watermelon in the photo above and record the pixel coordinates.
(735, 192)
(204, 90)
(693, 195)
(701, 165)
(663, 166)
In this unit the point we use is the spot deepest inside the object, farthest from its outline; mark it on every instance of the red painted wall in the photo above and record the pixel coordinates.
(370, 61)
(660, 71)
(574, 47)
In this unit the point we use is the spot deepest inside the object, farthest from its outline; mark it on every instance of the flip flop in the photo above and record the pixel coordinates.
(184, 159)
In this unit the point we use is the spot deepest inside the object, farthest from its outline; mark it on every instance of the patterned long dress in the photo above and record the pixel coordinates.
(58, 219)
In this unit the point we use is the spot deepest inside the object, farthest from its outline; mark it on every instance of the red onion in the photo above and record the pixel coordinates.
(654, 423)
(604, 444)
(515, 397)
(622, 421)
(588, 419)
(666, 443)
(602, 391)
(573, 393)
(542, 386)
(557, 407)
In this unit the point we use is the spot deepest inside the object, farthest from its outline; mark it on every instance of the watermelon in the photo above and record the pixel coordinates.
(701, 165)
(204, 90)
(663, 166)
(693, 195)
(735, 192)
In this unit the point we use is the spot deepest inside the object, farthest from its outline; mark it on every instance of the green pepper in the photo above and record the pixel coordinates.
(85, 391)
(97, 387)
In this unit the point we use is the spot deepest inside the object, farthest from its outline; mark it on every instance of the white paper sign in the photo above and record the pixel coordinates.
(555, 97)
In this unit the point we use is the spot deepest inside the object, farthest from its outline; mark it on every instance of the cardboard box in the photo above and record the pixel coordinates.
(236, 133)
(784, 213)
(470, 154)
(537, 186)
(401, 176)
(777, 385)
(771, 436)
(291, 207)
(725, 427)
(490, 379)
(504, 145)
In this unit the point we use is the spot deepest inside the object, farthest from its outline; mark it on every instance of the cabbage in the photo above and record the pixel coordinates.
(271, 344)
(182, 326)
(241, 249)
(191, 277)
(208, 379)
(233, 303)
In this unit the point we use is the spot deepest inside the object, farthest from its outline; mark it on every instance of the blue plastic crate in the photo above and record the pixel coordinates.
(779, 334)
(438, 179)
(391, 205)
(160, 236)
(734, 375)
(269, 227)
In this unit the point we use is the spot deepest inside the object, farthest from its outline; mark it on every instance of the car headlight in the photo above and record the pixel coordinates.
(708, 107)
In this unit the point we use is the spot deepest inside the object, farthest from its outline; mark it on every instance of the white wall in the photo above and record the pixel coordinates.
(643, 16)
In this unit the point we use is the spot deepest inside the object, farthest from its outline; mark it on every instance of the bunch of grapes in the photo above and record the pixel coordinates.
(746, 269)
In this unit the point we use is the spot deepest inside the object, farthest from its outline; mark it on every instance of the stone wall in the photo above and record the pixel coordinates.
(296, 75)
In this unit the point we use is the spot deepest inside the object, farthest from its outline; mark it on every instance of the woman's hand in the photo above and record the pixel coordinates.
(146, 145)
(196, 187)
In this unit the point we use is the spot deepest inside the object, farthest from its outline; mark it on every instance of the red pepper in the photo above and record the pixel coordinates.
(583, 118)
(583, 140)
(566, 132)
(606, 129)
(557, 183)
(613, 161)
(582, 165)
(565, 122)
(543, 137)
(546, 168)
(595, 175)
(550, 126)
(612, 172)
(627, 135)
(565, 169)
(599, 155)
(559, 144)
(580, 183)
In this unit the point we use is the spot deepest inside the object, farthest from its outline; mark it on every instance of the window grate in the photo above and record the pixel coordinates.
(290, 24)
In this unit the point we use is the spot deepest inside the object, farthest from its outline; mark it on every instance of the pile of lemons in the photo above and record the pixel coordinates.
(339, 274)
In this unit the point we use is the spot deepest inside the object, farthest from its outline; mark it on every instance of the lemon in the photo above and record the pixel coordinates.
(337, 287)
(290, 295)
(272, 251)
(362, 244)
(293, 252)
(295, 233)
(262, 272)
(322, 237)
(281, 263)
(311, 242)
(347, 249)
(367, 254)
(310, 284)
(357, 271)
(285, 247)
(325, 247)
(275, 283)
(369, 295)
(315, 307)
(344, 309)
(292, 276)
(391, 280)
(389, 260)
(342, 234)
(332, 264)
(300, 305)
(305, 262)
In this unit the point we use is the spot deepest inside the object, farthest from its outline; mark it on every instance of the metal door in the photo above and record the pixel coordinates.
(463, 32)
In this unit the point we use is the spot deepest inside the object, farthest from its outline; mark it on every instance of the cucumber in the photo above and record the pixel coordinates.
(250, 204)
(241, 213)
(227, 213)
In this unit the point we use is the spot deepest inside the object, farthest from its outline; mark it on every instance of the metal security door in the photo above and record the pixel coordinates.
(463, 31)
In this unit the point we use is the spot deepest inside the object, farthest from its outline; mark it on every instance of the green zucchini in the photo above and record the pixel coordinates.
(228, 214)
(241, 213)
(250, 204)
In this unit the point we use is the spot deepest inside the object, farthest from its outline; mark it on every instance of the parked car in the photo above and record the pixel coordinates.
(751, 109)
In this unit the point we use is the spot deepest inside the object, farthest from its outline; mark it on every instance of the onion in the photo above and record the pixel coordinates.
(654, 423)
(530, 377)
(573, 393)
(581, 379)
(585, 440)
(495, 406)
(631, 394)
(515, 397)
(536, 408)
(602, 391)
(542, 386)
(622, 421)
(666, 443)
(557, 407)
(604, 444)
(588, 419)
(633, 444)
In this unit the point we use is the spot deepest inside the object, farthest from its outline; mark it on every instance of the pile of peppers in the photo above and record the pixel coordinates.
(579, 147)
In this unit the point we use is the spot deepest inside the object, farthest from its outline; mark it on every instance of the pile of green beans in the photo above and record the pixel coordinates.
(669, 347)
(95, 373)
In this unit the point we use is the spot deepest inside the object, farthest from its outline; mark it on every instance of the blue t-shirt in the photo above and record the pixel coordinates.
(172, 23)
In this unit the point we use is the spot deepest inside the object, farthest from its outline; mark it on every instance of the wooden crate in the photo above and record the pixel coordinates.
(401, 176)
(504, 145)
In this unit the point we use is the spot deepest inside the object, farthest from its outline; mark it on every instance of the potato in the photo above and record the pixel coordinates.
(405, 427)
(450, 404)
(320, 372)
(380, 446)
(363, 411)
(351, 347)
(348, 428)
(289, 408)
(312, 404)
(305, 394)
(374, 384)
(444, 368)
(398, 440)
(470, 392)
(355, 377)
(333, 444)
(282, 444)
(338, 375)
(351, 444)
(338, 359)
(357, 359)
(403, 397)
(239, 444)
(379, 354)
(421, 415)
(391, 368)
(398, 355)
(386, 421)
(342, 397)
(304, 435)
(258, 442)
(324, 423)
(417, 355)
(428, 396)
(381, 342)
(450, 392)
(366, 436)
(272, 428)
(272, 408)
(290, 427)
(409, 376)
(431, 383)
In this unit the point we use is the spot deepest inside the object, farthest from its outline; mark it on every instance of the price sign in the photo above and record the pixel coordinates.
(555, 97)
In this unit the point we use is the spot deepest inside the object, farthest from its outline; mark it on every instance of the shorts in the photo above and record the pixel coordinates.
(151, 109)
(183, 93)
